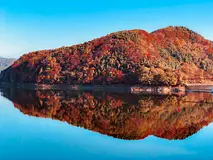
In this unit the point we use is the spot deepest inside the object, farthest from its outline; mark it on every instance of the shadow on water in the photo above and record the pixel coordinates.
(124, 116)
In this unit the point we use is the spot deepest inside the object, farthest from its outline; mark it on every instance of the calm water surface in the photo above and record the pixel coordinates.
(66, 125)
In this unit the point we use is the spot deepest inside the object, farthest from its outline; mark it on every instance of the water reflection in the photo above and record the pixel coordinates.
(118, 115)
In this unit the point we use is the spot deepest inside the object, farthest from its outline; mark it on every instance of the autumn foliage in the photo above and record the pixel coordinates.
(168, 56)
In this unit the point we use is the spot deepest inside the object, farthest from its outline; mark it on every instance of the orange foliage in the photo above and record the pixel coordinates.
(118, 58)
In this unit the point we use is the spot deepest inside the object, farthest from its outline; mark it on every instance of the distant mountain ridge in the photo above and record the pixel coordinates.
(168, 56)
(6, 62)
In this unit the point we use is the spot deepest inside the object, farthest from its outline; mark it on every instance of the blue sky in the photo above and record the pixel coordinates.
(34, 25)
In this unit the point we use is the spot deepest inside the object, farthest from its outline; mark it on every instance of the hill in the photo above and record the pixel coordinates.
(169, 56)
(5, 62)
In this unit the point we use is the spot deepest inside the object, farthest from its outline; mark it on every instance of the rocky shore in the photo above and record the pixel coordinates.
(135, 89)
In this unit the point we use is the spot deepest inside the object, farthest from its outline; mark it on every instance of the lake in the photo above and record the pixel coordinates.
(104, 126)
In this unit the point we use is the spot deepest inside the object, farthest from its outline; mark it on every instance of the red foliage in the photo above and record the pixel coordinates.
(119, 57)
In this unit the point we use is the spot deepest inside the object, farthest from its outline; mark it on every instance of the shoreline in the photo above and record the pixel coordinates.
(200, 88)
(200, 84)
(119, 88)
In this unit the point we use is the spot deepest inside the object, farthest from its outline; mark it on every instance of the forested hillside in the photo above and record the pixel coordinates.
(169, 56)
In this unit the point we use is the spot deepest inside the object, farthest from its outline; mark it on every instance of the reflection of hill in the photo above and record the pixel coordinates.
(120, 116)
